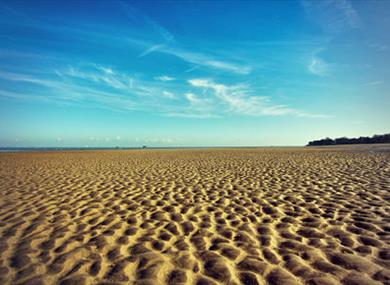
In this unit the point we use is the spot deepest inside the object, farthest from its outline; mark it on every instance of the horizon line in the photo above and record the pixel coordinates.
(131, 147)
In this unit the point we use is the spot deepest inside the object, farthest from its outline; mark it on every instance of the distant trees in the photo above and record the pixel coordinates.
(361, 140)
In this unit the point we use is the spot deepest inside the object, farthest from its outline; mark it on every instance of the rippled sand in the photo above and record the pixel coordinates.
(220, 216)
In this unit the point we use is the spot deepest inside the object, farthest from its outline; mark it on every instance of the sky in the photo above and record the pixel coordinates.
(192, 73)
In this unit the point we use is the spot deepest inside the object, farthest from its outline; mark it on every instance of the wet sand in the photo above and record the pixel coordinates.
(208, 216)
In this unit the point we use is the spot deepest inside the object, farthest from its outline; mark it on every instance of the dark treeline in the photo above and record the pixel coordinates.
(362, 140)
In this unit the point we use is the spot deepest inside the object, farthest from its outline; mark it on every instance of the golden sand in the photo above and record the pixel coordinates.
(217, 216)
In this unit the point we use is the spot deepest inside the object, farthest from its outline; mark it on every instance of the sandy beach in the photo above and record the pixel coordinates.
(197, 216)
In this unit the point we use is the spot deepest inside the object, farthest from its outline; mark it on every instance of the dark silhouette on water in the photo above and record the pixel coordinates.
(361, 140)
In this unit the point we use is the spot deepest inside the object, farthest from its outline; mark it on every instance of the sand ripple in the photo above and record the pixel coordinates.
(248, 216)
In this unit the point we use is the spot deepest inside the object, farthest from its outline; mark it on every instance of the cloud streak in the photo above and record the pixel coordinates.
(168, 94)
(169, 46)
(153, 48)
(318, 67)
(373, 83)
(95, 84)
(162, 41)
(204, 60)
(238, 101)
(334, 16)
(164, 78)
(101, 86)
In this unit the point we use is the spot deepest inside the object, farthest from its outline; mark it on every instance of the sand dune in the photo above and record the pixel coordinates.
(220, 216)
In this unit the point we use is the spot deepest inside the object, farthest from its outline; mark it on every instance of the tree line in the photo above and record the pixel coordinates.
(344, 140)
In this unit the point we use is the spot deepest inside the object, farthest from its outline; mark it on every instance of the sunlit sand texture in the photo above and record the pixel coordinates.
(199, 216)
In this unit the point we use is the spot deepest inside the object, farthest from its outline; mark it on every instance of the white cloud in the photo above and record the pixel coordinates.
(319, 67)
(194, 100)
(167, 140)
(162, 41)
(107, 70)
(379, 47)
(237, 100)
(25, 78)
(193, 115)
(101, 75)
(314, 116)
(207, 61)
(153, 48)
(107, 88)
(136, 17)
(18, 54)
(334, 16)
(205, 83)
(161, 140)
(200, 104)
(94, 87)
(70, 91)
(197, 58)
(349, 13)
(164, 78)
(377, 82)
(168, 94)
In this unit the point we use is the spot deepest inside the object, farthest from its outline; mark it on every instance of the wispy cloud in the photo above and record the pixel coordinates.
(193, 99)
(30, 79)
(107, 78)
(164, 78)
(137, 17)
(14, 95)
(192, 57)
(168, 45)
(6, 53)
(97, 86)
(91, 88)
(237, 100)
(107, 70)
(204, 60)
(349, 14)
(151, 49)
(193, 115)
(147, 35)
(168, 94)
(371, 83)
(379, 47)
(334, 16)
(317, 66)
(195, 58)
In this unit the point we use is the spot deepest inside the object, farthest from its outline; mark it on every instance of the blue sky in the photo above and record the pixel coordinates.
(117, 73)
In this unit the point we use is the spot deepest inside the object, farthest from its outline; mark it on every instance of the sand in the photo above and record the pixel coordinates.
(218, 216)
